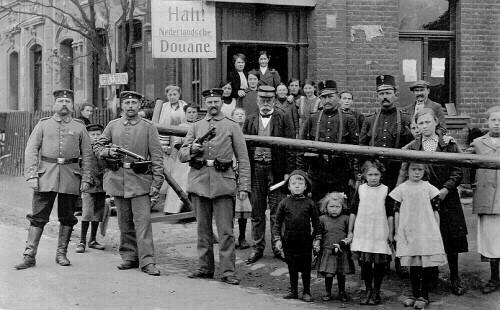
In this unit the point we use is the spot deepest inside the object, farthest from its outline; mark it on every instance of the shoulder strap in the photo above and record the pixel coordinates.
(398, 127)
(374, 128)
(341, 127)
(316, 137)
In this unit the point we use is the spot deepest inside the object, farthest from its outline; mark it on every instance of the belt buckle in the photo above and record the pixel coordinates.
(127, 165)
(60, 160)
(210, 162)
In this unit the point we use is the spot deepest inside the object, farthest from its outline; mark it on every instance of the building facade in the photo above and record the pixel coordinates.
(453, 44)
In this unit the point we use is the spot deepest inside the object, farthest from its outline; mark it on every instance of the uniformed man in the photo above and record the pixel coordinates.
(388, 127)
(133, 183)
(328, 173)
(212, 184)
(269, 166)
(421, 90)
(52, 169)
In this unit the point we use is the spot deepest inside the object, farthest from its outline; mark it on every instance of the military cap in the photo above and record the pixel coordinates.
(266, 91)
(420, 83)
(212, 92)
(94, 127)
(327, 87)
(63, 93)
(130, 95)
(385, 81)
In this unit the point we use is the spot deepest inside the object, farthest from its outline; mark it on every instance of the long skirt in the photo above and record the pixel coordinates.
(488, 232)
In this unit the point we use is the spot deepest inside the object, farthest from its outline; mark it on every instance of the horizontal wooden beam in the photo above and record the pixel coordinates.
(457, 159)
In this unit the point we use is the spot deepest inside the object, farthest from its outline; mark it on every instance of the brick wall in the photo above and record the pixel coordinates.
(339, 51)
(478, 58)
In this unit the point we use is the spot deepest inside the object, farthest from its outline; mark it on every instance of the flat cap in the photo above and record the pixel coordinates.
(63, 93)
(212, 92)
(266, 91)
(420, 83)
(94, 127)
(327, 87)
(385, 81)
(130, 95)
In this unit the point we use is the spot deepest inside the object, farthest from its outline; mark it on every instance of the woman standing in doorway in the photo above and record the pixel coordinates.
(238, 77)
(268, 76)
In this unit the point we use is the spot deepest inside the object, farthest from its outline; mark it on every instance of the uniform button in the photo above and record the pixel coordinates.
(328, 137)
(385, 137)
(385, 122)
(329, 122)
(329, 129)
(383, 145)
(385, 129)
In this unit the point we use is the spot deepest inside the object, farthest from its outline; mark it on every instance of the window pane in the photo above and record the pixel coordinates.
(424, 15)
(410, 55)
(438, 71)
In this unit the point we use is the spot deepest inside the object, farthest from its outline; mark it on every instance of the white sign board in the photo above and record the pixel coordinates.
(183, 29)
(113, 79)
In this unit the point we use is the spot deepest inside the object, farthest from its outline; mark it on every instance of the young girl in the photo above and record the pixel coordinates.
(297, 212)
(419, 241)
(228, 102)
(486, 203)
(309, 103)
(334, 259)
(371, 228)
(241, 214)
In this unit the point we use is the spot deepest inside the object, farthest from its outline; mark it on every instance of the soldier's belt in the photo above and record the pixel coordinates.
(60, 160)
(217, 164)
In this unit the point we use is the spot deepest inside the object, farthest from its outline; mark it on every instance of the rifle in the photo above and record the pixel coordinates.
(209, 135)
(125, 152)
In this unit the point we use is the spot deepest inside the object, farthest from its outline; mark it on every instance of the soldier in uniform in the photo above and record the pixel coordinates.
(212, 184)
(52, 169)
(421, 90)
(328, 173)
(388, 127)
(269, 166)
(131, 183)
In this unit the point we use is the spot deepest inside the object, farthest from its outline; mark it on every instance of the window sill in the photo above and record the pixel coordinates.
(457, 121)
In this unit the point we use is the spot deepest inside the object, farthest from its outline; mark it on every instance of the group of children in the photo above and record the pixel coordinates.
(379, 223)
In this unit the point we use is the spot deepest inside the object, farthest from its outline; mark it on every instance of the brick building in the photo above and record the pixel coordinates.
(453, 44)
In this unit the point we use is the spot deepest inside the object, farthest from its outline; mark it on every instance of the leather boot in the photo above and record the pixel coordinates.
(62, 245)
(34, 234)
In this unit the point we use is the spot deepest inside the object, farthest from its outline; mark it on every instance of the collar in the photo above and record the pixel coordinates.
(131, 121)
(297, 196)
(388, 111)
(217, 117)
(227, 100)
(59, 118)
(432, 138)
(494, 135)
(331, 112)
(266, 115)
(281, 99)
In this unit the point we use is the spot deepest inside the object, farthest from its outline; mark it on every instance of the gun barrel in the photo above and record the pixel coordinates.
(123, 151)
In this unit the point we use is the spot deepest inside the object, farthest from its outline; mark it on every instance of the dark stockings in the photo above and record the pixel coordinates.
(294, 280)
(242, 224)
(306, 282)
(495, 276)
(453, 264)
(83, 235)
(93, 230)
(420, 278)
(328, 285)
(341, 282)
(373, 274)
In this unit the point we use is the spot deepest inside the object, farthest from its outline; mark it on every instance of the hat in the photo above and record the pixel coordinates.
(420, 83)
(94, 127)
(385, 81)
(327, 87)
(213, 92)
(63, 93)
(130, 95)
(302, 174)
(266, 91)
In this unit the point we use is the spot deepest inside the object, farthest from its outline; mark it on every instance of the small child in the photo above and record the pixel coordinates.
(93, 200)
(334, 258)
(418, 237)
(486, 203)
(296, 213)
(371, 228)
(242, 212)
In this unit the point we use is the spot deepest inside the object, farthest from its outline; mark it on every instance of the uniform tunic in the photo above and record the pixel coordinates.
(333, 230)
(56, 137)
(418, 237)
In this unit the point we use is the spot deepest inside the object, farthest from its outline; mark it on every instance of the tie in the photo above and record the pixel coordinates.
(265, 115)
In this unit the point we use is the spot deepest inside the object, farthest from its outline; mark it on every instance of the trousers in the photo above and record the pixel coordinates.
(42, 205)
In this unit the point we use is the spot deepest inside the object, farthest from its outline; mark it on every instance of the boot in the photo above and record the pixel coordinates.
(62, 245)
(34, 234)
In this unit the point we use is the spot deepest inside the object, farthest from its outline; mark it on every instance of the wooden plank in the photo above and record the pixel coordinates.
(458, 159)
(172, 218)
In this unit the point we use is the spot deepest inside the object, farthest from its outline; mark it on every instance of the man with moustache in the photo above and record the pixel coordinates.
(327, 172)
(52, 170)
(132, 183)
(269, 166)
(212, 184)
(421, 90)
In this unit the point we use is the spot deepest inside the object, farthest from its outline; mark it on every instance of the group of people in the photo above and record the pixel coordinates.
(337, 208)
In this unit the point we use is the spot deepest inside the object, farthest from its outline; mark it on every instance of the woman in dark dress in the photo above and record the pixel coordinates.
(446, 178)
(268, 76)
(238, 77)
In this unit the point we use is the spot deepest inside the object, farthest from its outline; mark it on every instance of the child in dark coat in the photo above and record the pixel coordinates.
(334, 253)
(296, 213)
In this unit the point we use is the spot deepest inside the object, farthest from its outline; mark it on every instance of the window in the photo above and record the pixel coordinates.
(14, 81)
(427, 48)
(36, 76)
(66, 65)
(196, 82)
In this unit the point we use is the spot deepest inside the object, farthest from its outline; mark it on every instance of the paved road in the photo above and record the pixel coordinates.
(93, 282)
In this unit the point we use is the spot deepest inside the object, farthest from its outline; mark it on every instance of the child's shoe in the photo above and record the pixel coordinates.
(292, 295)
(327, 297)
(96, 245)
(457, 287)
(490, 287)
(365, 300)
(376, 299)
(80, 248)
(421, 303)
(343, 297)
(409, 302)
(307, 297)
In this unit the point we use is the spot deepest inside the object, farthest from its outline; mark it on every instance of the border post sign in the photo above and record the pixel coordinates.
(113, 79)
(183, 29)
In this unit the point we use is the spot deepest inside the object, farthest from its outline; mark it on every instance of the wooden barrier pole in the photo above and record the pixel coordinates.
(457, 159)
